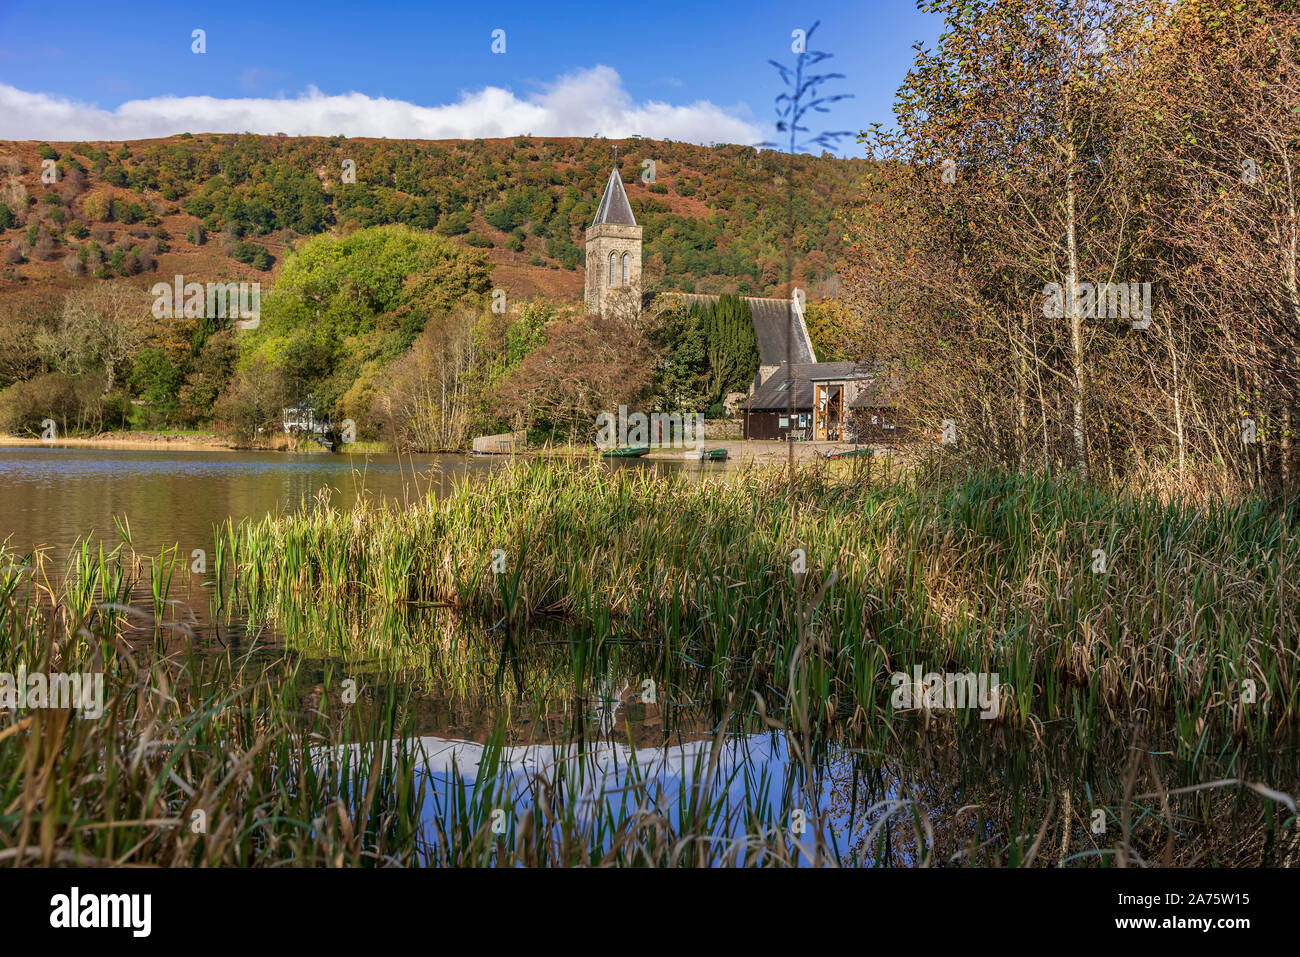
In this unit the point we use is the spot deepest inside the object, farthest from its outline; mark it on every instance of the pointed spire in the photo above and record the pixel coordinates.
(614, 208)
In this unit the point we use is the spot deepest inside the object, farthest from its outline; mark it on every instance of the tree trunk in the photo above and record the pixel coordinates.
(1076, 321)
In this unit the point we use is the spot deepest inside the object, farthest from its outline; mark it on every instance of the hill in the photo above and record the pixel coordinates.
(217, 207)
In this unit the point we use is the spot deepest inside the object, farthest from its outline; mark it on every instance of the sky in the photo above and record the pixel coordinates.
(696, 72)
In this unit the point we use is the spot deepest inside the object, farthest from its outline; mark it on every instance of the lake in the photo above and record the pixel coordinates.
(54, 495)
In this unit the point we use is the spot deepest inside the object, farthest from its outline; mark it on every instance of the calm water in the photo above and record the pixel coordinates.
(51, 496)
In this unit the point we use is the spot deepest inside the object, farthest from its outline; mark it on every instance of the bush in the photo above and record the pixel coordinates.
(453, 224)
(73, 402)
(98, 205)
(252, 254)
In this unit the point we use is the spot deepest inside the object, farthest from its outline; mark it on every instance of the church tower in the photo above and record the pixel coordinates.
(613, 277)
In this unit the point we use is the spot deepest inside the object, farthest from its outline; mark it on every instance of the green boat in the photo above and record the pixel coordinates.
(713, 455)
(846, 453)
(626, 452)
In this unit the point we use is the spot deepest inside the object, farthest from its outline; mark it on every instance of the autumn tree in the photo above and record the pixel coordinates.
(587, 366)
(1002, 177)
(101, 327)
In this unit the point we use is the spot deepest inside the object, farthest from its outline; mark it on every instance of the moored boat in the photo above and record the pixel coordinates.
(846, 453)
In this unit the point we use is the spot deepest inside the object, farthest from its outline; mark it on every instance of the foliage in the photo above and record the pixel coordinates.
(587, 366)
(1062, 142)
(157, 381)
(681, 362)
(74, 402)
(714, 214)
(341, 302)
(727, 328)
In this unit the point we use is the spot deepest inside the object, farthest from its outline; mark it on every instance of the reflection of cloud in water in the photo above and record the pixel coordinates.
(753, 777)
(945, 798)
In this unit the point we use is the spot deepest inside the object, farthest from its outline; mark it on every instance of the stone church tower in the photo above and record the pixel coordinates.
(614, 255)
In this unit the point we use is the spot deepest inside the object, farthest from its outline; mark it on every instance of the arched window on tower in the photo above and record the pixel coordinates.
(625, 269)
(611, 269)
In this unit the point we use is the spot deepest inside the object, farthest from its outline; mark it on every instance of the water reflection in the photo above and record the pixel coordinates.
(54, 495)
(941, 800)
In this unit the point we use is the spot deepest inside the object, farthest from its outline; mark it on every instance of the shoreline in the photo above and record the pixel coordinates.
(739, 451)
(198, 442)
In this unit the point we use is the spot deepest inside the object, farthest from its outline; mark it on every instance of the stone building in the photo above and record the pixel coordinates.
(613, 276)
(613, 286)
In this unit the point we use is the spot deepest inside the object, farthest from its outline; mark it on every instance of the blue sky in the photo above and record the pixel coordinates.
(694, 71)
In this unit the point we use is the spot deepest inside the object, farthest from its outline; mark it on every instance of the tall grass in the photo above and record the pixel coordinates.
(212, 757)
(1193, 615)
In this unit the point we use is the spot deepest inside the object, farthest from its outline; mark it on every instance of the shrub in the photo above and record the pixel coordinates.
(98, 206)
(73, 402)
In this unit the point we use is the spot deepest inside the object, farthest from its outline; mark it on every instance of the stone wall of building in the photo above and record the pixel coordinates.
(602, 239)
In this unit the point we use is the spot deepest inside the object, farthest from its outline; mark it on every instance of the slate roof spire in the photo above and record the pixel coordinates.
(614, 209)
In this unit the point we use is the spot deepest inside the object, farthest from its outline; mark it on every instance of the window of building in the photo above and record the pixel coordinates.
(625, 269)
(783, 422)
(611, 269)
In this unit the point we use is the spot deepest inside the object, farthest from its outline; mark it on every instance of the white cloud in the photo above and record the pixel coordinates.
(582, 103)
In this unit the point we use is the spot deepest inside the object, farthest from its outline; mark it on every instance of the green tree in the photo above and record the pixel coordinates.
(677, 338)
(731, 345)
(342, 302)
(157, 381)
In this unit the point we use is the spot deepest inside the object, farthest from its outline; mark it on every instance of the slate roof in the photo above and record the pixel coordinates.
(614, 209)
(771, 325)
(774, 394)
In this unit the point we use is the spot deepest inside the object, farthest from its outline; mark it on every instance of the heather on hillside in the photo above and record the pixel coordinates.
(711, 217)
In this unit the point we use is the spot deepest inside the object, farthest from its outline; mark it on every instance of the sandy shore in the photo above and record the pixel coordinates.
(198, 442)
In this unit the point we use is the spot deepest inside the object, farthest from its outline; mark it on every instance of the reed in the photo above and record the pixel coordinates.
(254, 757)
(1087, 604)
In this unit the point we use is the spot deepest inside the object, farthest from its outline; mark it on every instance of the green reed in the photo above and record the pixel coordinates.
(1085, 603)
